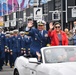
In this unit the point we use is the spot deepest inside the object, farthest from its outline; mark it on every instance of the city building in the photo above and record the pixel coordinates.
(63, 11)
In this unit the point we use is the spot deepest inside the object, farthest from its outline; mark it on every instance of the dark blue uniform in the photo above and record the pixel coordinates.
(11, 59)
(6, 50)
(16, 46)
(23, 44)
(28, 43)
(38, 40)
(2, 47)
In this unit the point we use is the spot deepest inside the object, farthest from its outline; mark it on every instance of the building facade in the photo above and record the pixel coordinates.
(53, 10)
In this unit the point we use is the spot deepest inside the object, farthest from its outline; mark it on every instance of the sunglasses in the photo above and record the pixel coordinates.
(57, 27)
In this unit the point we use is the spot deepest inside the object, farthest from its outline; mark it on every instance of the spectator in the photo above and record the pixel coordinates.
(74, 26)
(66, 30)
(74, 38)
(58, 37)
(69, 36)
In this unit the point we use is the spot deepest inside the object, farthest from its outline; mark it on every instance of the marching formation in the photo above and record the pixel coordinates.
(29, 42)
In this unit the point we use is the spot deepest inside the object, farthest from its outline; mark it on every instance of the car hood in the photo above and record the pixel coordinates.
(68, 68)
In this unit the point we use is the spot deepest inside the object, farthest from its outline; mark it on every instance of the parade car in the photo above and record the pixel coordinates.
(55, 60)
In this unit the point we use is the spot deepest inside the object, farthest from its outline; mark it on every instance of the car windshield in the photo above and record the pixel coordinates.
(55, 55)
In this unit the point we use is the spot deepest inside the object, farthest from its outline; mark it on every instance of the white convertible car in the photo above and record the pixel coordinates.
(56, 60)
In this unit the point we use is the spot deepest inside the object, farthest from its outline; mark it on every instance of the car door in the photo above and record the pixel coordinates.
(32, 68)
(32, 72)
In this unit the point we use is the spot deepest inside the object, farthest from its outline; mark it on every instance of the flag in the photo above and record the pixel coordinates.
(22, 4)
(31, 2)
(10, 6)
(15, 5)
(19, 3)
(4, 3)
(43, 1)
(1, 9)
(26, 2)
(4, 8)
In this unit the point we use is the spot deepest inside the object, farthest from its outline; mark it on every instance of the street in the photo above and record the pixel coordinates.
(6, 71)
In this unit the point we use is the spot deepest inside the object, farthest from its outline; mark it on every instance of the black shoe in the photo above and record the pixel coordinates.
(6, 64)
(10, 66)
(1, 69)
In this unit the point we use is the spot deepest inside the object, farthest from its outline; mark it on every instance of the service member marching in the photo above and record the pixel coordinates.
(16, 44)
(11, 59)
(7, 48)
(23, 43)
(2, 47)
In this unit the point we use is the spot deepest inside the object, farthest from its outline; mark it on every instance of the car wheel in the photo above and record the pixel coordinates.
(16, 72)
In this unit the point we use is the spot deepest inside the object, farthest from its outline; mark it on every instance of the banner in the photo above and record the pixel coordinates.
(5, 10)
(0, 8)
(43, 1)
(26, 3)
(15, 5)
(31, 2)
(20, 3)
(10, 6)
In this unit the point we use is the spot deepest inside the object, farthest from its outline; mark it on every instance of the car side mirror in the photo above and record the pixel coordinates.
(34, 60)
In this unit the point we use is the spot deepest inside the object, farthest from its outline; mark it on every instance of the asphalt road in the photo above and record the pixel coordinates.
(6, 71)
